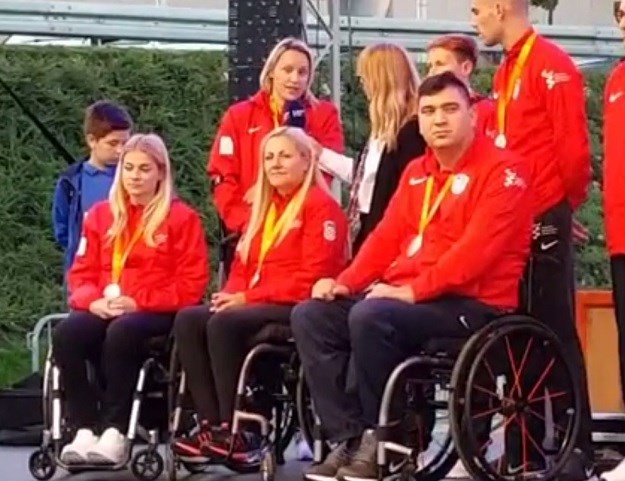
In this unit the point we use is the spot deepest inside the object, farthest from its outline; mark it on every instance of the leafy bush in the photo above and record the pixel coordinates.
(179, 95)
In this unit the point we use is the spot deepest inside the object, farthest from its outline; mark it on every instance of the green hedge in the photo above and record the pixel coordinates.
(179, 95)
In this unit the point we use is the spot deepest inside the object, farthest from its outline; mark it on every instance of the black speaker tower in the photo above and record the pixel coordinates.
(254, 27)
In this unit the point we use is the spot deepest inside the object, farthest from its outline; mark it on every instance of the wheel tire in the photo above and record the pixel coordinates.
(41, 465)
(147, 464)
(467, 371)
(196, 468)
(268, 466)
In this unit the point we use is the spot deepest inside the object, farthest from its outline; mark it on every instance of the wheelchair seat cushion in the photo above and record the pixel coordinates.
(156, 346)
(274, 333)
(444, 346)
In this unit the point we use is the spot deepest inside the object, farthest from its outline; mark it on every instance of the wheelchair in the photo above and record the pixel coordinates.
(146, 463)
(457, 396)
(277, 423)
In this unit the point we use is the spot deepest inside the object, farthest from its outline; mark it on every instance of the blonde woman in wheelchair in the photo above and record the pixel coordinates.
(297, 234)
(142, 257)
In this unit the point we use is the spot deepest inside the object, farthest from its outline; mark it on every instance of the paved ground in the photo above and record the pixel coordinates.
(14, 467)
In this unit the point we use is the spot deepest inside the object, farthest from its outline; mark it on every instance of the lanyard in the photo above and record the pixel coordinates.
(503, 99)
(121, 253)
(427, 214)
(276, 112)
(271, 229)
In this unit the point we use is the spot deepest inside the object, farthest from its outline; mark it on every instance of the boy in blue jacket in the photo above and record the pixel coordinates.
(107, 127)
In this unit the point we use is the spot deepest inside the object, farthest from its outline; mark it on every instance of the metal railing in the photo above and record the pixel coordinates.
(34, 341)
(210, 26)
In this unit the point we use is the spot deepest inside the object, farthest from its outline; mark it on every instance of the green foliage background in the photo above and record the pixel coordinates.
(179, 95)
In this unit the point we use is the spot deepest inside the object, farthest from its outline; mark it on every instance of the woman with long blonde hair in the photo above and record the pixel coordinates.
(297, 234)
(390, 81)
(141, 258)
(284, 98)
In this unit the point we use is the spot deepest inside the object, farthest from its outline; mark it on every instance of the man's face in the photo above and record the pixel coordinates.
(442, 60)
(486, 19)
(446, 119)
(619, 14)
(106, 150)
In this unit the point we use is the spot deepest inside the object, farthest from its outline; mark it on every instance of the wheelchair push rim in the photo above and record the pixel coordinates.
(516, 406)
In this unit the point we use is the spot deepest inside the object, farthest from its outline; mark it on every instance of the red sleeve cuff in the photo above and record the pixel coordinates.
(82, 297)
(256, 295)
(420, 289)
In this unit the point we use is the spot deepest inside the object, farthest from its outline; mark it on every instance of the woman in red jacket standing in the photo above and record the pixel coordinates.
(297, 234)
(284, 98)
(141, 258)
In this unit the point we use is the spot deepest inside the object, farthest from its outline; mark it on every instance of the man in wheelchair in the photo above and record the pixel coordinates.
(446, 258)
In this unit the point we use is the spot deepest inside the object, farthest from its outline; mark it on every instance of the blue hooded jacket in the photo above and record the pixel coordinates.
(67, 210)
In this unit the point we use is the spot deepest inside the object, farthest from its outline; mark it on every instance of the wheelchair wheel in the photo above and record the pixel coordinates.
(506, 379)
(306, 414)
(147, 464)
(41, 465)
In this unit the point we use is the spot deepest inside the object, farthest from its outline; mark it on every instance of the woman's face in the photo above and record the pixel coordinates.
(140, 175)
(284, 164)
(291, 75)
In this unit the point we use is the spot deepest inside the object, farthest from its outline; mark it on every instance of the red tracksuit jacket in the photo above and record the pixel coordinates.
(546, 123)
(315, 247)
(165, 278)
(614, 160)
(233, 160)
(485, 108)
(476, 245)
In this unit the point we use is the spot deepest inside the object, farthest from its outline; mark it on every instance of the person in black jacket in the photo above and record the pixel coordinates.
(390, 82)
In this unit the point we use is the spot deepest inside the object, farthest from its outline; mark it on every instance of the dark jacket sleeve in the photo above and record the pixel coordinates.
(410, 145)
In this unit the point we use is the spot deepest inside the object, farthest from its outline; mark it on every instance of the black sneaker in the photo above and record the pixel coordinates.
(328, 468)
(245, 446)
(363, 466)
(578, 468)
(196, 447)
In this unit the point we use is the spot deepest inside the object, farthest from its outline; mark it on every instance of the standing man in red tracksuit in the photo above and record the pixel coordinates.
(416, 277)
(614, 203)
(459, 54)
(541, 114)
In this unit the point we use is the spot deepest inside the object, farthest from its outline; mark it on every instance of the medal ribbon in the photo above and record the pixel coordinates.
(427, 214)
(503, 98)
(272, 228)
(121, 252)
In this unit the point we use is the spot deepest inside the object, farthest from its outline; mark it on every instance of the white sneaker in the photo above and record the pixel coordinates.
(76, 451)
(110, 449)
(616, 474)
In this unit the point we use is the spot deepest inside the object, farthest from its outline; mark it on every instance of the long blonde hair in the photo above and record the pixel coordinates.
(263, 190)
(157, 209)
(284, 45)
(391, 81)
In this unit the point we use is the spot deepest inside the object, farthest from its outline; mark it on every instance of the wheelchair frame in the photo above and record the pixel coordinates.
(271, 452)
(146, 464)
(457, 365)
(455, 368)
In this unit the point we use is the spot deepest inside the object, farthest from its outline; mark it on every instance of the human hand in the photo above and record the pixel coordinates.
(220, 301)
(386, 291)
(102, 309)
(123, 303)
(327, 289)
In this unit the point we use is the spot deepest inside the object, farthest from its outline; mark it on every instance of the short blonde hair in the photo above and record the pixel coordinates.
(286, 44)
(263, 190)
(391, 79)
(157, 210)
